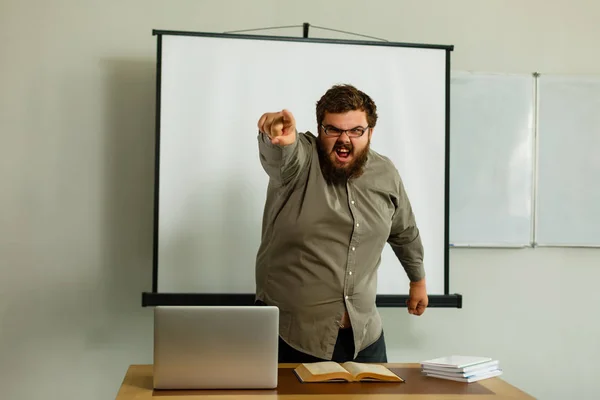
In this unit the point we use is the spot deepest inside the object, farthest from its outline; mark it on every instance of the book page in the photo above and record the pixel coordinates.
(325, 367)
(358, 368)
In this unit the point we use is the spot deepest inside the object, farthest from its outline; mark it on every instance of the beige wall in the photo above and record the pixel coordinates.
(76, 167)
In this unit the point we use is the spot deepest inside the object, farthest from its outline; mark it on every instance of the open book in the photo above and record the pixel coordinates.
(330, 371)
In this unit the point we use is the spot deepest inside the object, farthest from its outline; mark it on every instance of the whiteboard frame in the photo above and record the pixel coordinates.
(532, 199)
(536, 148)
(535, 243)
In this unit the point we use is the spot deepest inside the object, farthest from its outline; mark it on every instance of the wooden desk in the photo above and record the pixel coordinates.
(138, 385)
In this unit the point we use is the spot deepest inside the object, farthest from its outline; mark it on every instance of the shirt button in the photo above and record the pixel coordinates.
(357, 225)
(350, 273)
(346, 297)
(354, 248)
(352, 201)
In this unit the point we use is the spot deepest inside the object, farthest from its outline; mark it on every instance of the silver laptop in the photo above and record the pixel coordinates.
(214, 347)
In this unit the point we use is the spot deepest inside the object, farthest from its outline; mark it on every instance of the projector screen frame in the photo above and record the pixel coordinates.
(155, 298)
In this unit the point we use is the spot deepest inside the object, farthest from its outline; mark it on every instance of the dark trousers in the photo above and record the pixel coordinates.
(342, 352)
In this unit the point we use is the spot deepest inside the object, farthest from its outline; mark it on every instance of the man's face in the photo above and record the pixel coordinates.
(343, 156)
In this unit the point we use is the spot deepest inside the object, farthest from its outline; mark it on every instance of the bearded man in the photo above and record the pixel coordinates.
(332, 204)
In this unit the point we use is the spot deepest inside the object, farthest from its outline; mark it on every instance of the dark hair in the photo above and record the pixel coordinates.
(343, 98)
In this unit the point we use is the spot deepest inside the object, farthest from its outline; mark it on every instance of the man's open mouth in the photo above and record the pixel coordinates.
(342, 153)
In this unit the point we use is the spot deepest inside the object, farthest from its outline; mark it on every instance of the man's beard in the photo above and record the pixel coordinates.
(335, 174)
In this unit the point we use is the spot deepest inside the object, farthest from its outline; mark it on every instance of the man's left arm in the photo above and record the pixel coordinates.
(405, 240)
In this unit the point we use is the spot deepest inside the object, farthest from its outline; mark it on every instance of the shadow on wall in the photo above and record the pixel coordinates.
(128, 184)
(222, 253)
(75, 305)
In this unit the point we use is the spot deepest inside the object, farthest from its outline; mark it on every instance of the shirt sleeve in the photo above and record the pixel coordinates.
(404, 237)
(282, 163)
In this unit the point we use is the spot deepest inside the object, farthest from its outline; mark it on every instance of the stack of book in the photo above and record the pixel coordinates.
(461, 368)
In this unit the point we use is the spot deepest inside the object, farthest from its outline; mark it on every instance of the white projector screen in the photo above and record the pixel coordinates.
(210, 187)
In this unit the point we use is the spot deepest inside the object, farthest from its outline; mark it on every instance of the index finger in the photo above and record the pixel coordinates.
(288, 118)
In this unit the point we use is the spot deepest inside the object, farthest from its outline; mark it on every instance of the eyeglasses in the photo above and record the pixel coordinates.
(353, 133)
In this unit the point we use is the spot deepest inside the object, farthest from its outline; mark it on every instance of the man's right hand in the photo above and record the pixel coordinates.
(280, 127)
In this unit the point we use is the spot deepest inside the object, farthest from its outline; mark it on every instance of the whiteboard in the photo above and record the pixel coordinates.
(491, 159)
(568, 209)
(211, 187)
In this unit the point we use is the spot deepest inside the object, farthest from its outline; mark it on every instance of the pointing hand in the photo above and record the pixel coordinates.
(279, 126)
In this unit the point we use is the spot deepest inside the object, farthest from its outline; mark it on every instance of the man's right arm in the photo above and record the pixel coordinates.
(282, 153)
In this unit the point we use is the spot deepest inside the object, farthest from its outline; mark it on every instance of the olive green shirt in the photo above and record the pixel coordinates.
(321, 244)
